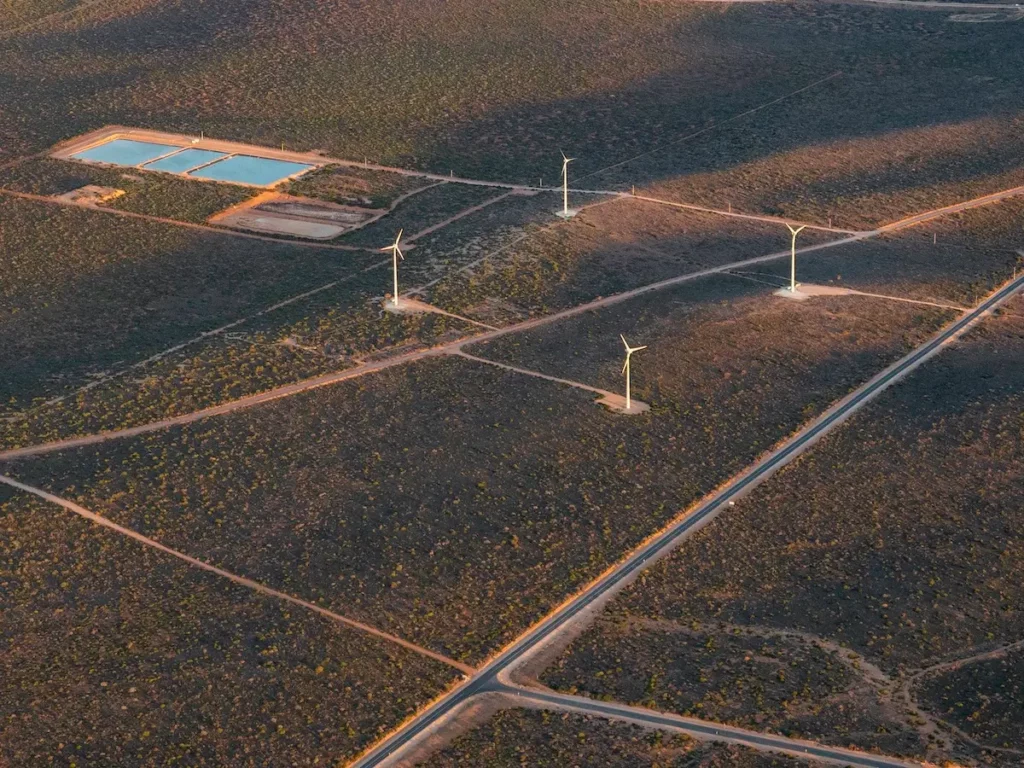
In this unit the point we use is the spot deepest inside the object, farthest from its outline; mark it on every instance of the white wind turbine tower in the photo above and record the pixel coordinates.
(625, 368)
(396, 254)
(566, 211)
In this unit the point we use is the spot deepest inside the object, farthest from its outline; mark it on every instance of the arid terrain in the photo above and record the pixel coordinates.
(259, 508)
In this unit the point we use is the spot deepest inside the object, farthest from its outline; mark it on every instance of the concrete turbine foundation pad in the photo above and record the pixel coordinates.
(617, 403)
(797, 295)
(407, 307)
(824, 290)
(563, 214)
(804, 292)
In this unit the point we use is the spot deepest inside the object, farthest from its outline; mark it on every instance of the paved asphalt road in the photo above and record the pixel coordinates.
(487, 678)
(707, 730)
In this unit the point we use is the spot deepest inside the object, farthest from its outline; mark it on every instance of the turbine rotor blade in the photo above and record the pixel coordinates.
(624, 342)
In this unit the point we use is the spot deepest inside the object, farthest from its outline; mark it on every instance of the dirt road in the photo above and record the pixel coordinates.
(240, 580)
(400, 359)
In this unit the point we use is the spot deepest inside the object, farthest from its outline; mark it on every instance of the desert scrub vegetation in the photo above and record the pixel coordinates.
(146, 192)
(114, 654)
(855, 150)
(998, 226)
(897, 537)
(516, 737)
(984, 698)
(16, 13)
(721, 343)
(436, 203)
(326, 332)
(479, 236)
(362, 187)
(463, 97)
(612, 247)
(905, 49)
(454, 502)
(84, 293)
(751, 677)
(858, 183)
(442, 68)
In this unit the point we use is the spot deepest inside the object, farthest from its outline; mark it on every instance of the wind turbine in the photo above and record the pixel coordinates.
(625, 368)
(396, 254)
(792, 262)
(566, 213)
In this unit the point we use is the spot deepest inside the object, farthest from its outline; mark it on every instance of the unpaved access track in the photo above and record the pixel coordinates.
(103, 522)
(420, 354)
(399, 359)
(699, 729)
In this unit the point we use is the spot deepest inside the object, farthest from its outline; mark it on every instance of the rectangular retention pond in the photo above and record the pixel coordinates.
(245, 169)
(220, 163)
(183, 161)
(125, 152)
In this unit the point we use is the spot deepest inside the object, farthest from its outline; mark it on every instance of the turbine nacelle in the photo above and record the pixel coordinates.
(629, 351)
(395, 249)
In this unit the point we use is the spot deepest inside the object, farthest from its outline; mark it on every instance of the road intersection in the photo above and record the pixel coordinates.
(494, 675)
